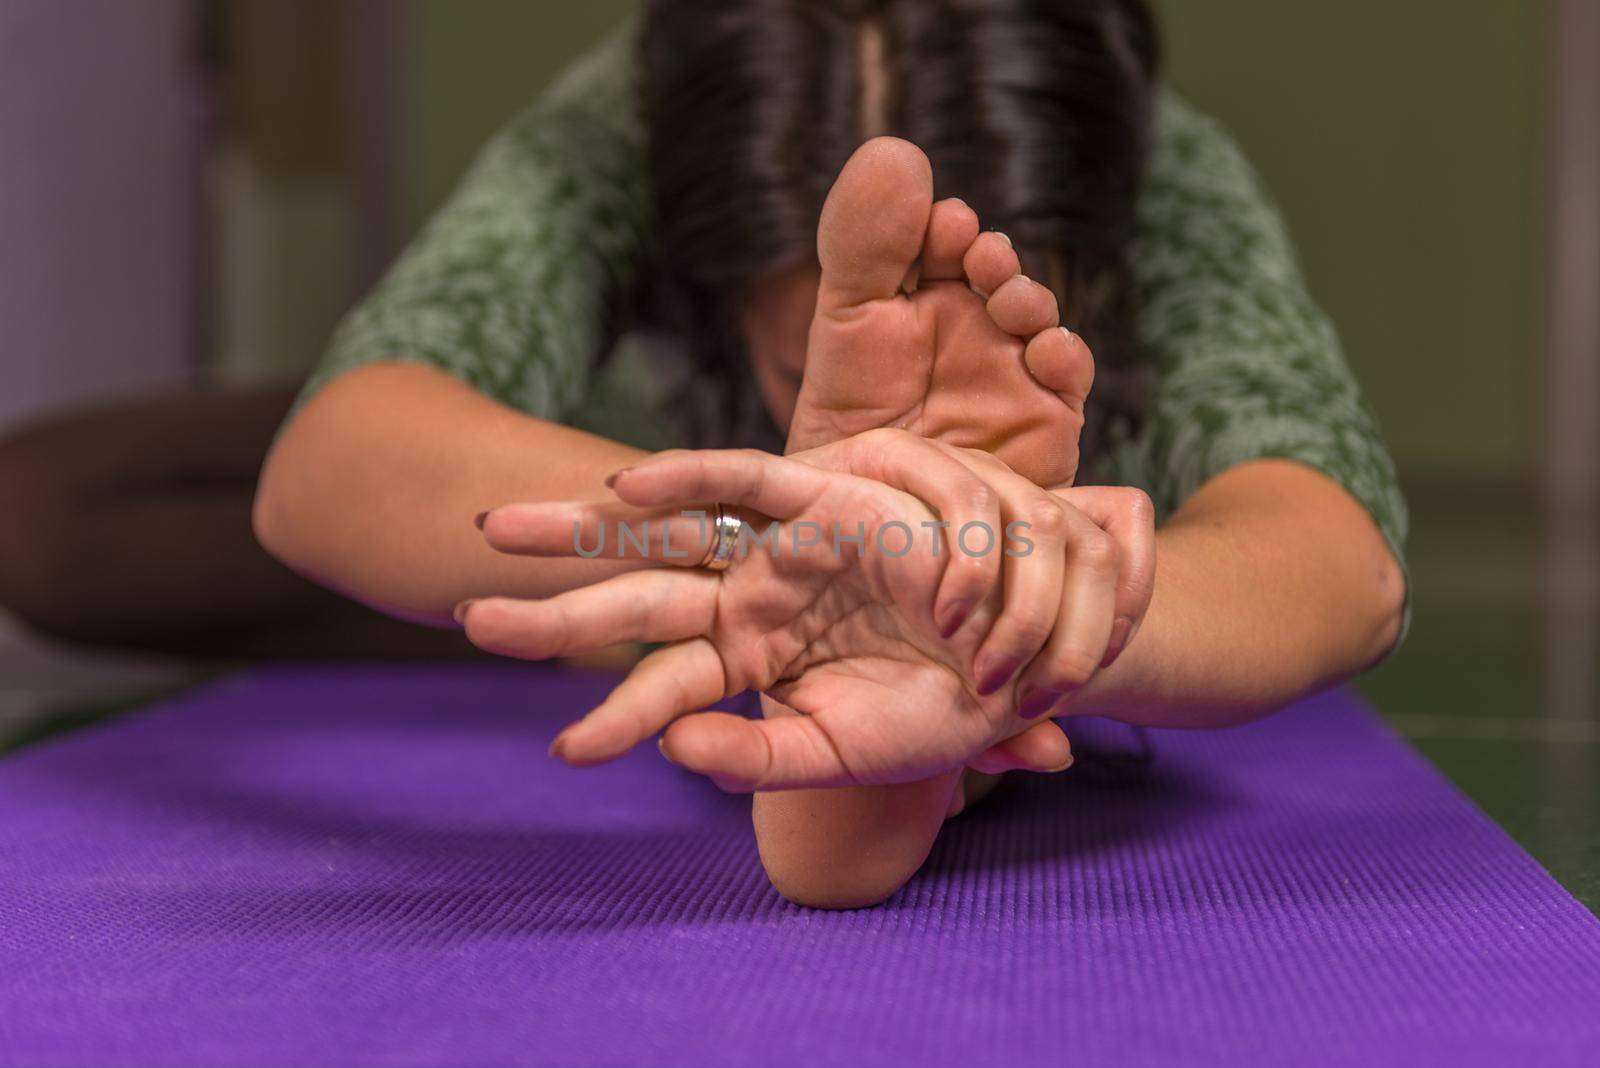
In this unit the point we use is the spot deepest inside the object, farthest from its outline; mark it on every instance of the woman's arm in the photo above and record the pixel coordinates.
(372, 487)
(1271, 582)
(498, 309)
(1247, 368)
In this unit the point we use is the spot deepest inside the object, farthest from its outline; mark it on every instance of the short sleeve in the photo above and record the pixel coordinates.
(1246, 366)
(509, 285)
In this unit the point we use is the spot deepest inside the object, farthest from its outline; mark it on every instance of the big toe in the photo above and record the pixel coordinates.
(873, 222)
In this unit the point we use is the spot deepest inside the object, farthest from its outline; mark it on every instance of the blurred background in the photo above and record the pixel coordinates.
(194, 190)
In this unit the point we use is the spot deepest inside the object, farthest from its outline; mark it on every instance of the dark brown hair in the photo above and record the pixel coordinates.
(1035, 112)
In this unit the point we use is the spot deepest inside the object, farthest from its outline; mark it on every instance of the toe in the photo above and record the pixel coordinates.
(1059, 361)
(989, 262)
(952, 229)
(873, 223)
(1023, 307)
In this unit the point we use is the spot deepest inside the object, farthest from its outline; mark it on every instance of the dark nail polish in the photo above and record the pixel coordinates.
(996, 675)
(479, 519)
(1035, 702)
(459, 613)
(1120, 631)
(954, 615)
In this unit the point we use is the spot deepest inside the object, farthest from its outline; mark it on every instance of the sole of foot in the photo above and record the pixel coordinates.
(926, 323)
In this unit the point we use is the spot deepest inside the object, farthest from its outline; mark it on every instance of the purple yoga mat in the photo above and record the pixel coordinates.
(380, 866)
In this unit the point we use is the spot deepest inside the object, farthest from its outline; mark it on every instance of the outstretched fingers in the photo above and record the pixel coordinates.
(662, 513)
(749, 478)
(642, 606)
(599, 529)
(669, 683)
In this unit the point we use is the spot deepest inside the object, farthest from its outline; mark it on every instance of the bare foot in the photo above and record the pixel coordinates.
(924, 323)
(852, 847)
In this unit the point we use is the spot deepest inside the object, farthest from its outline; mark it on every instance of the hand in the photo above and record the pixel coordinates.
(880, 653)
(1123, 512)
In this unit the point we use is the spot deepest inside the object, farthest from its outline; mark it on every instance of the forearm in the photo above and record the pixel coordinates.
(372, 489)
(1271, 582)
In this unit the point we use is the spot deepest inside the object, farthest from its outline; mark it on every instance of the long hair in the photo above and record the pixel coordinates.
(1035, 112)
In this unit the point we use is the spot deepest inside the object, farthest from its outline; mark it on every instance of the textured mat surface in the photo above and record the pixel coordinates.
(381, 866)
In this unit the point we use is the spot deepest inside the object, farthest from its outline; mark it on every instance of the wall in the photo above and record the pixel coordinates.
(1403, 142)
(469, 66)
(98, 133)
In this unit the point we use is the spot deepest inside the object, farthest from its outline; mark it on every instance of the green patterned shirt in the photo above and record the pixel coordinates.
(509, 286)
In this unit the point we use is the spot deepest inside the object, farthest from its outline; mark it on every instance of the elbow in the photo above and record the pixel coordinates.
(276, 512)
(267, 517)
(1387, 601)
(300, 517)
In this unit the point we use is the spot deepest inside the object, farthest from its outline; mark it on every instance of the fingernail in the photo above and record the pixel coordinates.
(1005, 238)
(558, 747)
(479, 519)
(611, 479)
(954, 615)
(459, 613)
(1063, 766)
(661, 744)
(993, 674)
(1119, 639)
(1036, 701)
(1066, 330)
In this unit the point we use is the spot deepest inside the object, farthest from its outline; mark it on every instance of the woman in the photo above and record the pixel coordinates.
(449, 391)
